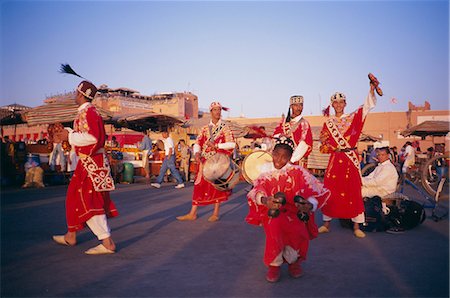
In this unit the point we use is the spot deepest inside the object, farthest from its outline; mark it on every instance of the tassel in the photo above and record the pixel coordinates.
(288, 117)
(326, 111)
(65, 68)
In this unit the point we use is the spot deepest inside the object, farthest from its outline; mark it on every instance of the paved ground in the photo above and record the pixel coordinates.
(161, 257)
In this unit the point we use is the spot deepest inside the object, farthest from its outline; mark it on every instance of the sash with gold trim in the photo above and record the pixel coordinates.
(342, 143)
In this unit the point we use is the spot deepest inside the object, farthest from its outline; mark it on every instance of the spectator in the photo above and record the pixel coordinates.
(34, 173)
(409, 157)
(185, 153)
(383, 180)
(168, 163)
(146, 147)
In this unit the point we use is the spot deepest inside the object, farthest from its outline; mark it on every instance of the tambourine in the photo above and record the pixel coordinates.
(375, 82)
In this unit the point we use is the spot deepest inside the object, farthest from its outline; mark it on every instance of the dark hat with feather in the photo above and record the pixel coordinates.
(86, 88)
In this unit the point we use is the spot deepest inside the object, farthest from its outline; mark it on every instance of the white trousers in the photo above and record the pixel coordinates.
(360, 218)
(289, 254)
(99, 226)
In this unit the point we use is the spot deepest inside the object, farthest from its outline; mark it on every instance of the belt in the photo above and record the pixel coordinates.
(345, 149)
(99, 151)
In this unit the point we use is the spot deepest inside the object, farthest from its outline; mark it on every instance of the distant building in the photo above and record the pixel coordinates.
(127, 101)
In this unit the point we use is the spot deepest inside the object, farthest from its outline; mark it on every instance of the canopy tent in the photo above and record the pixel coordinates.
(63, 112)
(428, 128)
(145, 121)
(368, 138)
(12, 114)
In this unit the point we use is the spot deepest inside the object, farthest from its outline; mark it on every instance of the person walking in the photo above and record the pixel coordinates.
(168, 163)
(88, 200)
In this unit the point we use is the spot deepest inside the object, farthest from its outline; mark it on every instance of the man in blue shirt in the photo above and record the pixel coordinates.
(146, 147)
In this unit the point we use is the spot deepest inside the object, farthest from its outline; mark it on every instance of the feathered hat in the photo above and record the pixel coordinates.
(216, 104)
(86, 87)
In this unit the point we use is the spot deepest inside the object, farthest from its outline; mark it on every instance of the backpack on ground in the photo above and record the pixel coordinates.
(407, 215)
(374, 218)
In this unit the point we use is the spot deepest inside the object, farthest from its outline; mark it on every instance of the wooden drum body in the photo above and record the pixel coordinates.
(221, 171)
(255, 164)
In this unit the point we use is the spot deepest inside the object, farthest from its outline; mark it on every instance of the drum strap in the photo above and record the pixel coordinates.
(215, 131)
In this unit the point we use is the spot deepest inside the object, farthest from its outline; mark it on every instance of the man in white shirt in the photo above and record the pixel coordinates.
(383, 180)
(168, 163)
(410, 157)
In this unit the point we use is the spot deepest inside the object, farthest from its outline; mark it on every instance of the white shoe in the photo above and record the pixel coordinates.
(181, 185)
(156, 185)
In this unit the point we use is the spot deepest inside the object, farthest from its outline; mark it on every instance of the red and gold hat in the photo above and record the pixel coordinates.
(338, 96)
(216, 104)
(296, 99)
(87, 89)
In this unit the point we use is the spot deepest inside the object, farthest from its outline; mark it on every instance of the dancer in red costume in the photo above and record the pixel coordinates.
(216, 137)
(339, 136)
(298, 129)
(88, 201)
(287, 236)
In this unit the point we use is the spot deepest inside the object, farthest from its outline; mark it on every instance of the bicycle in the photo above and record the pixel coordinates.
(435, 175)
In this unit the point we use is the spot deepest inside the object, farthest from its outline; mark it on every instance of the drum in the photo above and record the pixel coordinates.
(221, 171)
(255, 164)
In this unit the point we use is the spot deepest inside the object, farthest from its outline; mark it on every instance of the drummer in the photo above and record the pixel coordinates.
(297, 128)
(216, 137)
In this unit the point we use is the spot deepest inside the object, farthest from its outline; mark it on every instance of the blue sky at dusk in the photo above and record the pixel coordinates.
(250, 55)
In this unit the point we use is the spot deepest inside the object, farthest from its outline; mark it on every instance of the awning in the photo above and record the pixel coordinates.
(63, 112)
(428, 128)
(12, 114)
(368, 138)
(145, 121)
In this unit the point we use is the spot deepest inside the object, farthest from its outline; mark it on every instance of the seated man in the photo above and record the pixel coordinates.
(34, 173)
(383, 180)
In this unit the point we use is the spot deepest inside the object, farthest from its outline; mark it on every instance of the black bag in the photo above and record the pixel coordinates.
(374, 218)
(408, 215)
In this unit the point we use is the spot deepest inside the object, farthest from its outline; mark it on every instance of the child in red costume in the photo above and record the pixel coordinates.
(288, 233)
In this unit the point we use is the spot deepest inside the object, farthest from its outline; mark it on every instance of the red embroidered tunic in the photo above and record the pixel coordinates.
(204, 192)
(298, 130)
(342, 176)
(287, 228)
(88, 192)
